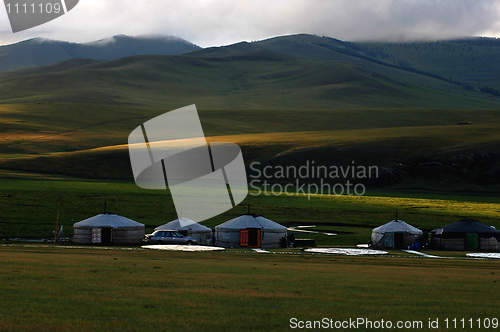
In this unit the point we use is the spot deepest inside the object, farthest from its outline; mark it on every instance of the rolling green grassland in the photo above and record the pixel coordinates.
(89, 141)
(253, 79)
(284, 100)
(64, 289)
(44, 143)
(59, 127)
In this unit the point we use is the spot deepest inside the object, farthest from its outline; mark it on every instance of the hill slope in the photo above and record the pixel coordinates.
(472, 61)
(40, 52)
(235, 77)
(413, 148)
(284, 101)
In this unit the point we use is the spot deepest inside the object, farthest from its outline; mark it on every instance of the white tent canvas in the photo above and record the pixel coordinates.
(111, 228)
(112, 220)
(395, 226)
(271, 233)
(188, 227)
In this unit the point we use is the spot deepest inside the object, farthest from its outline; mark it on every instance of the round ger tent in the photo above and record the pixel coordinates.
(189, 228)
(250, 230)
(108, 228)
(466, 234)
(395, 234)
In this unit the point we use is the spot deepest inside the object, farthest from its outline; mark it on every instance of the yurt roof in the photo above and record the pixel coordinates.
(250, 221)
(108, 220)
(469, 226)
(397, 226)
(182, 224)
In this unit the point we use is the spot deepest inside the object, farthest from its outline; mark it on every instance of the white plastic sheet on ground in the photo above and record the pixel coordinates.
(421, 254)
(347, 251)
(300, 229)
(178, 247)
(293, 229)
(495, 255)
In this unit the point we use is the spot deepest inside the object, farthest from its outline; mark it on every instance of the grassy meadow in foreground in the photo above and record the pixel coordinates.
(66, 289)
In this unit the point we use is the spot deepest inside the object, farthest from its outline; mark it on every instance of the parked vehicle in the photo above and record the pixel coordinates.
(169, 237)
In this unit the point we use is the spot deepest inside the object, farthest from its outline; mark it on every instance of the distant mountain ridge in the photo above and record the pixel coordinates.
(39, 51)
(296, 71)
(471, 62)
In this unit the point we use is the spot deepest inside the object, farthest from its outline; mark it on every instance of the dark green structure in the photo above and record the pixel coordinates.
(466, 234)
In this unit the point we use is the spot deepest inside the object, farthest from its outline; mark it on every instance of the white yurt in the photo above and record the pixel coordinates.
(250, 230)
(395, 234)
(190, 228)
(108, 228)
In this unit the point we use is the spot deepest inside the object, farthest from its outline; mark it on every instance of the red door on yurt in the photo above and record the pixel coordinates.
(250, 238)
(244, 237)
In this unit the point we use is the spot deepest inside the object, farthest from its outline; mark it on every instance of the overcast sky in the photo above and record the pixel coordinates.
(222, 22)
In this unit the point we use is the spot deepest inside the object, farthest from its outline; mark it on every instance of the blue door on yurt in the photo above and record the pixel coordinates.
(389, 240)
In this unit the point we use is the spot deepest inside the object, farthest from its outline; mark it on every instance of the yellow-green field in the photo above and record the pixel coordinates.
(29, 208)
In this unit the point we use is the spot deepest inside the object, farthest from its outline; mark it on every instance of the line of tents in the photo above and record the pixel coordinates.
(254, 231)
(248, 230)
